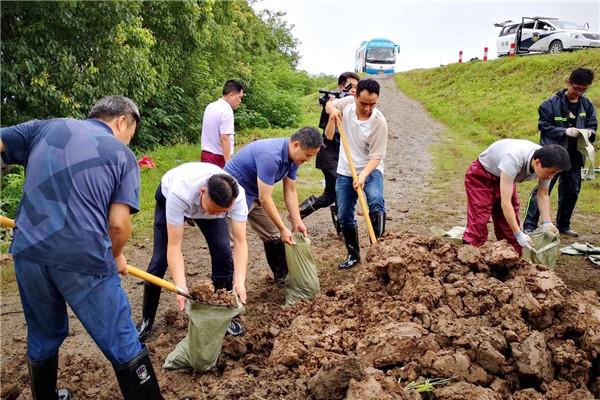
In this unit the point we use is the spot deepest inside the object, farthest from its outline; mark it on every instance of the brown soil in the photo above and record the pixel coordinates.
(204, 292)
(417, 308)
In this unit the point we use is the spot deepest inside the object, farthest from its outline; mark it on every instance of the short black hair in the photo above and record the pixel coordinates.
(111, 107)
(232, 86)
(309, 137)
(370, 85)
(344, 77)
(582, 76)
(222, 189)
(553, 156)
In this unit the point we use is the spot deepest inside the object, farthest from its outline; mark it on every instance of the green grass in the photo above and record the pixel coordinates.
(168, 157)
(483, 102)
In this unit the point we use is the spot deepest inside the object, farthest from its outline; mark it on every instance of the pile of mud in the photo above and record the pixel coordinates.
(418, 308)
(499, 326)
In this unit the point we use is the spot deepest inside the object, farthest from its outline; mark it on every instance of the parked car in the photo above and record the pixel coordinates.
(544, 35)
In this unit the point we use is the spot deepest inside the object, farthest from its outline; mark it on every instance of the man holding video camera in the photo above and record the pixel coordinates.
(327, 158)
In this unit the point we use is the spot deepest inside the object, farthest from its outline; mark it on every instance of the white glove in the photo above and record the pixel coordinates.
(548, 226)
(523, 240)
(572, 132)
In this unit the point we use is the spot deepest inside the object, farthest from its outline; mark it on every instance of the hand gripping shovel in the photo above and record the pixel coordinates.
(138, 273)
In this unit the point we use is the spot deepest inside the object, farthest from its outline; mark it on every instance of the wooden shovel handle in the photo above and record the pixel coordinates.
(7, 222)
(138, 273)
(361, 195)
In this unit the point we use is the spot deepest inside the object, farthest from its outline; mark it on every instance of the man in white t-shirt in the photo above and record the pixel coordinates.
(366, 132)
(203, 193)
(218, 127)
(491, 185)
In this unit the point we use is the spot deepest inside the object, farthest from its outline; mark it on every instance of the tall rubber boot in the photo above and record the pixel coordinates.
(43, 376)
(149, 307)
(336, 222)
(137, 379)
(351, 239)
(306, 207)
(378, 222)
(275, 252)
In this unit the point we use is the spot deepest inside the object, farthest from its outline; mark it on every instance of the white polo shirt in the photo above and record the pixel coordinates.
(511, 156)
(367, 139)
(181, 188)
(218, 119)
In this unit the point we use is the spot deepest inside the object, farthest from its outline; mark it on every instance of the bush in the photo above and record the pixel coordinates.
(11, 191)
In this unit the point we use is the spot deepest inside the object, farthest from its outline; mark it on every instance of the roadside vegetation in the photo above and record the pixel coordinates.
(171, 58)
(481, 102)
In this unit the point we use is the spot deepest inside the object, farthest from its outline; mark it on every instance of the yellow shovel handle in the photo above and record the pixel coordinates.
(7, 222)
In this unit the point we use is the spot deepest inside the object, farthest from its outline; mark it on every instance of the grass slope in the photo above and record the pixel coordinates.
(483, 102)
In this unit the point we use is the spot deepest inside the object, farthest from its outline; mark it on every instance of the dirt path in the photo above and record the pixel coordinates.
(244, 370)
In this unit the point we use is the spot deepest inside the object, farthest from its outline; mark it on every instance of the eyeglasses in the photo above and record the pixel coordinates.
(579, 89)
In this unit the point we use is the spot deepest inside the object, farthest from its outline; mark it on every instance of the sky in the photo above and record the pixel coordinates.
(429, 33)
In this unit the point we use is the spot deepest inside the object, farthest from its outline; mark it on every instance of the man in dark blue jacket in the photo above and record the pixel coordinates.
(560, 117)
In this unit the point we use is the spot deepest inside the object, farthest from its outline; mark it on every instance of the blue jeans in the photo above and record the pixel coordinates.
(98, 301)
(346, 197)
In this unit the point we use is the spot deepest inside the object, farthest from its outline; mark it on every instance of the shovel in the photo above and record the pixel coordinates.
(138, 273)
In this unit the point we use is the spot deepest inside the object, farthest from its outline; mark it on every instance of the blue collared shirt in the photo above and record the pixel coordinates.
(267, 160)
(74, 171)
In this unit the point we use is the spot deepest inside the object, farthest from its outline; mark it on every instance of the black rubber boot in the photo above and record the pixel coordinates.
(43, 376)
(149, 307)
(275, 252)
(378, 222)
(137, 379)
(306, 207)
(351, 239)
(336, 222)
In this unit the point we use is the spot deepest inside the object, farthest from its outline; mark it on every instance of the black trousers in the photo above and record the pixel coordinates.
(327, 198)
(569, 185)
(217, 237)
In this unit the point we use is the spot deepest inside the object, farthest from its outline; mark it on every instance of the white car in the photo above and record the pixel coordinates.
(544, 35)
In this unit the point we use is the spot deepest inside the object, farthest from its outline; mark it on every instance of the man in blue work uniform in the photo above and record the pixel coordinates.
(257, 167)
(560, 117)
(81, 185)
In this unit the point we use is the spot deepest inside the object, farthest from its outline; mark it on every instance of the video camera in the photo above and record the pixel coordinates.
(328, 95)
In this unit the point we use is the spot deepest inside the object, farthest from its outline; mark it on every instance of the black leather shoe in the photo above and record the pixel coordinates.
(570, 232)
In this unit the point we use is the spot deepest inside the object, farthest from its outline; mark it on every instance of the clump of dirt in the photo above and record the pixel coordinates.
(204, 292)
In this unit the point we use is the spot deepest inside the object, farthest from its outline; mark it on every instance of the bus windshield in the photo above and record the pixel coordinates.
(381, 55)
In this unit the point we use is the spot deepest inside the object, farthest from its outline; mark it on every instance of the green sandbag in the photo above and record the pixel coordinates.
(302, 281)
(546, 249)
(202, 345)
